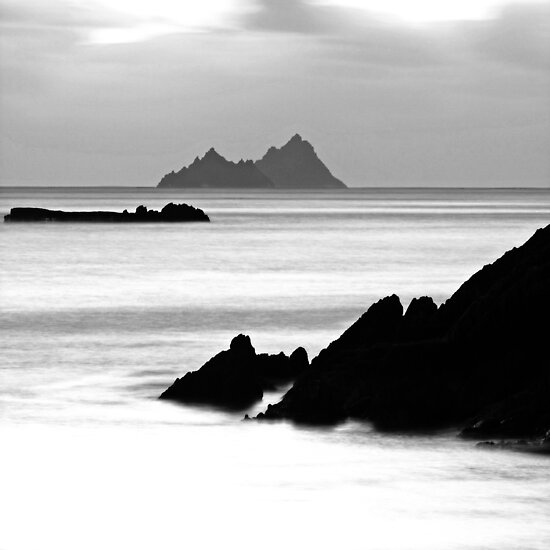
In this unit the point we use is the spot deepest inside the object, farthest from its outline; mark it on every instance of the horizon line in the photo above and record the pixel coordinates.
(240, 189)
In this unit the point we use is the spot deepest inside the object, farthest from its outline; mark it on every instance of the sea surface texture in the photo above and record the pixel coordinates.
(96, 320)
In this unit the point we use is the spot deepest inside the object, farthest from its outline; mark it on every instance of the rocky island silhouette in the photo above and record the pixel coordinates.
(170, 213)
(293, 166)
(478, 362)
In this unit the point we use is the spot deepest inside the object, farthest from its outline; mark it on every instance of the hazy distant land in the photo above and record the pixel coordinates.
(293, 166)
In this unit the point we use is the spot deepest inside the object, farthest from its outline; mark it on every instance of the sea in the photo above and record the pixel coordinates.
(96, 320)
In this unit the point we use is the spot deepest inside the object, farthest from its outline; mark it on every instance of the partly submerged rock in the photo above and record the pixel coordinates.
(170, 213)
(525, 413)
(236, 378)
(539, 446)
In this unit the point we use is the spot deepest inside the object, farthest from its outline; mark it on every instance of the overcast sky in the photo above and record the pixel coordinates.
(392, 92)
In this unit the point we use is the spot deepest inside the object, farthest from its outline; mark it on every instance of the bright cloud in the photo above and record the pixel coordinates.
(153, 18)
(426, 10)
(159, 17)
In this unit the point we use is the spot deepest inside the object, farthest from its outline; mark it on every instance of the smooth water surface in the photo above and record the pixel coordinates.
(97, 319)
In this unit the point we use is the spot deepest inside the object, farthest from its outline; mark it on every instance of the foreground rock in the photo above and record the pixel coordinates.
(236, 378)
(539, 446)
(479, 361)
(170, 213)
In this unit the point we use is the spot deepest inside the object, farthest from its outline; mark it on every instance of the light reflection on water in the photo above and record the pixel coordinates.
(97, 320)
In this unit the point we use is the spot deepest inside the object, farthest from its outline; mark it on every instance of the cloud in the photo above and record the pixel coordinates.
(296, 16)
(520, 35)
(58, 15)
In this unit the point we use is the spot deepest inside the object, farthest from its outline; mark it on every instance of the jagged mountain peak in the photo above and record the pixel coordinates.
(296, 165)
(212, 154)
(215, 171)
(297, 143)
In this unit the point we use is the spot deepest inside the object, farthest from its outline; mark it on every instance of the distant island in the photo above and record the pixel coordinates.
(170, 213)
(293, 166)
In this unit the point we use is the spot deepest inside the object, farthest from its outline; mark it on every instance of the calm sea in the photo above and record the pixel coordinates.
(96, 320)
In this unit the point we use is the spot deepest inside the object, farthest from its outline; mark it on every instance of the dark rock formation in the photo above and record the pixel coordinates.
(297, 166)
(170, 213)
(540, 446)
(214, 171)
(236, 378)
(509, 416)
(480, 360)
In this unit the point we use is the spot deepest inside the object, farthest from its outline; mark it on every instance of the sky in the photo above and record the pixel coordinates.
(389, 92)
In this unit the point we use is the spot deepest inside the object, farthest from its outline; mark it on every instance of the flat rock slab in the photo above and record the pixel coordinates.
(170, 213)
